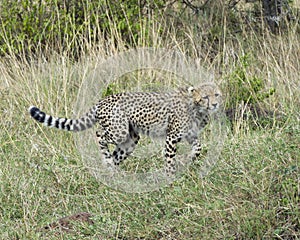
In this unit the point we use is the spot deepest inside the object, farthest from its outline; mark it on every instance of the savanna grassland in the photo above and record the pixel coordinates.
(253, 192)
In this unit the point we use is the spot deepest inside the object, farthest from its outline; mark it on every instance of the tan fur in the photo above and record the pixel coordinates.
(175, 116)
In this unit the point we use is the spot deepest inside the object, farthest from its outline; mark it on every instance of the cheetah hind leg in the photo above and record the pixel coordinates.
(107, 159)
(124, 149)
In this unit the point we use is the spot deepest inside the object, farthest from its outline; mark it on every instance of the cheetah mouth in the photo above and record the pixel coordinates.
(213, 109)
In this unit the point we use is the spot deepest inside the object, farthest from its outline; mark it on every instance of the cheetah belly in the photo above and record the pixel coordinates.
(154, 129)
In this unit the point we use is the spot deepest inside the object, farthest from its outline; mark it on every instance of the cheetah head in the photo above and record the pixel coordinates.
(206, 97)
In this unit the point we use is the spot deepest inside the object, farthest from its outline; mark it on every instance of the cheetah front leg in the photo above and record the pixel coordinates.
(170, 154)
(196, 147)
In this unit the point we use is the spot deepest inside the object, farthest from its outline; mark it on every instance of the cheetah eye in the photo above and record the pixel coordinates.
(206, 97)
(217, 95)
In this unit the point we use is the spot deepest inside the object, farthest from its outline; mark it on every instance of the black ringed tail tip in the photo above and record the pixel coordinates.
(32, 110)
(37, 114)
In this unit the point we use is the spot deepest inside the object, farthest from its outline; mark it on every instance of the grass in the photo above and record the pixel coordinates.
(252, 193)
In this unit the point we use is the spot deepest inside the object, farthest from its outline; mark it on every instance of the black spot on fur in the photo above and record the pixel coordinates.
(41, 117)
(82, 127)
(63, 123)
(49, 121)
(56, 123)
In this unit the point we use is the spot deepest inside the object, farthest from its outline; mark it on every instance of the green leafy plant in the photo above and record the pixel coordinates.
(244, 88)
(110, 89)
(27, 26)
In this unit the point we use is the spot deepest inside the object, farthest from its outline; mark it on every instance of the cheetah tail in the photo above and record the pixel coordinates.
(85, 122)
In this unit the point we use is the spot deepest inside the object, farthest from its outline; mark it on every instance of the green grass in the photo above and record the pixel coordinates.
(252, 193)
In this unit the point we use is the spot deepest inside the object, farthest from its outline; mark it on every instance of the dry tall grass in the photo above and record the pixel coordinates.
(253, 192)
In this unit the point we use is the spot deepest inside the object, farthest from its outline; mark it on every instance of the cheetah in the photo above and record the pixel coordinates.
(175, 116)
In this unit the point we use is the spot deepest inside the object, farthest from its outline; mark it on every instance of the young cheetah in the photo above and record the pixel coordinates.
(175, 116)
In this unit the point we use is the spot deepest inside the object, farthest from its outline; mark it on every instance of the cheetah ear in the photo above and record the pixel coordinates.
(191, 89)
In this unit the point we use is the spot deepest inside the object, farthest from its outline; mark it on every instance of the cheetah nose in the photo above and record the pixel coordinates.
(215, 105)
